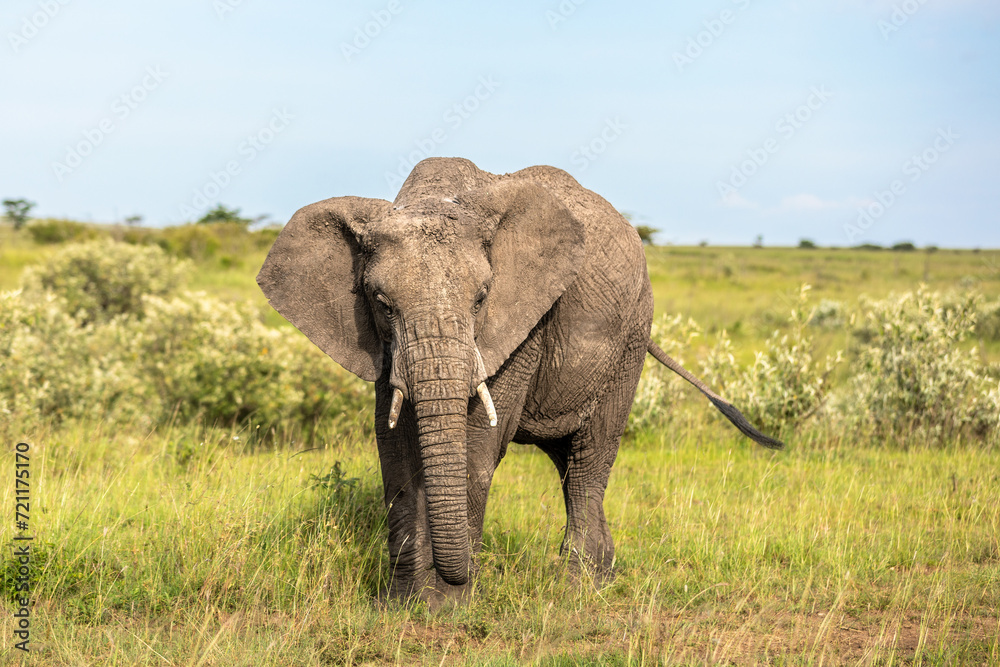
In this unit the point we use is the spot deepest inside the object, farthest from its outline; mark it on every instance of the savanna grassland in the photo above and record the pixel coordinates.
(244, 525)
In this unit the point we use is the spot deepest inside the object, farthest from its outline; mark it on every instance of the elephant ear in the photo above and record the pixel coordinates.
(312, 276)
(536, 248)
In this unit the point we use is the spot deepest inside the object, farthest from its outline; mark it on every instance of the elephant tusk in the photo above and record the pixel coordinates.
(397, 403)
(484, 394)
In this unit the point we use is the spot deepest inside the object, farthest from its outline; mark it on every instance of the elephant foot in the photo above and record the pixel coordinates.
(443, 595)
(433, 590)
(583, 568)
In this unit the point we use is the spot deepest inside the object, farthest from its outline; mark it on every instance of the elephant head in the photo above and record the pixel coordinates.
(435, 290)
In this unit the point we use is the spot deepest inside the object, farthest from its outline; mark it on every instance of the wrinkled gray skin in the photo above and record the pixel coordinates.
(540, 276)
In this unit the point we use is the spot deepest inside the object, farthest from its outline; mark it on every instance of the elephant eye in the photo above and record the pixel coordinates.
(386, 303)
(480, 298)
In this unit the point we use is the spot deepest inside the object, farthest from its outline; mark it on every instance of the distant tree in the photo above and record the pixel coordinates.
(868, 246)
(222, 214)
(807, 243)
(904, 246)
(18, 211)
(759, 241)
(646, 233)
(702, 244)
(133, 220)
(931, 248)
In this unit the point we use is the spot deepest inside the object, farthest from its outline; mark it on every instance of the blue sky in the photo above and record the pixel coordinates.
(844, 122)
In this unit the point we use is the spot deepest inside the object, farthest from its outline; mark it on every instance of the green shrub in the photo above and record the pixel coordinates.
(784, 385)
(101, 279)
(192, 241)
(55, 230)
(913, 374)
(205, 241)
(263, 239)
(139, 235)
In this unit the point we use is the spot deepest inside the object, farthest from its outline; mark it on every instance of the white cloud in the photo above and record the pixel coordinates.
(734, 200)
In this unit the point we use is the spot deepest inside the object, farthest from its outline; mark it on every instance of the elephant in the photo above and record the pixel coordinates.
(487, 309)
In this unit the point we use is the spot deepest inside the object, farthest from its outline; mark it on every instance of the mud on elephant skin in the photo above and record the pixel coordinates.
(486, 309)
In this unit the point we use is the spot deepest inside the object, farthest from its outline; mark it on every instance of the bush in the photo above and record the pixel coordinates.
(213, 361)
(69, 353)
(54, 230)
(102, 279)
(56, 370)
(192, 241)
(264, 238)
(988, 321)
(784, 385)
(659, 390)
(829, 314)
(914, 376)
(205, 241)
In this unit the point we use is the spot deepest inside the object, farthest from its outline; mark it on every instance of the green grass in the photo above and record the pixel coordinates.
(192, 545)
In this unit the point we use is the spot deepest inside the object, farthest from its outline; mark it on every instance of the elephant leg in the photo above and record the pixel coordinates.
(584, 466)
(487, 445)
(584, 460)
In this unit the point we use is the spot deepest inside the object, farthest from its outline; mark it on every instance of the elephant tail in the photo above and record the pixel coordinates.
(724, 406)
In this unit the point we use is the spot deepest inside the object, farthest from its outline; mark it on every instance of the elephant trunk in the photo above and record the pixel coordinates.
(440, 374)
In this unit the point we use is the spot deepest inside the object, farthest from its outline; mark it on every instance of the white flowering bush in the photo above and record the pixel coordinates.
(829, 314)
(659, 391)
(217, 362)
(988, 321)
(913, 371)
(52, 368)
(214, 361)
(71, 348)
(784, 385)
(102, 279)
